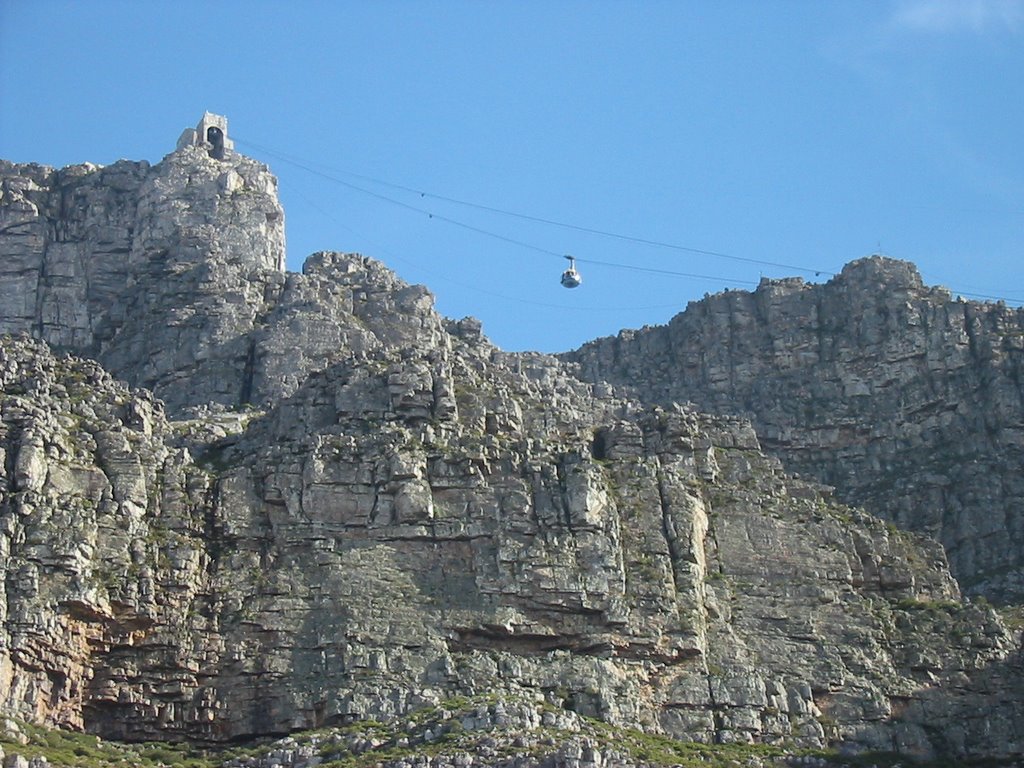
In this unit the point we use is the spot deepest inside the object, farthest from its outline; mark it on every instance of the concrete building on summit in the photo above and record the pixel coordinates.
(212, 133)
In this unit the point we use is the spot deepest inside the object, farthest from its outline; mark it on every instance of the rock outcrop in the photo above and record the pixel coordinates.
(908, 401)
(172, 276)
(408, 526)
(346, 507)
(160, 272)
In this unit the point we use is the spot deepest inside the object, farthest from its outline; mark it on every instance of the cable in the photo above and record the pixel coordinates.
(537, 219)
(477, 288)
(303, 164)
(413, 208)
(652, 270)
(488, 233)
(985, 296)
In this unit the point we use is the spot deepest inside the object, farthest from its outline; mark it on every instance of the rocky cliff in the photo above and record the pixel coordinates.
(908, 401)
(159, 272)
(340, 506)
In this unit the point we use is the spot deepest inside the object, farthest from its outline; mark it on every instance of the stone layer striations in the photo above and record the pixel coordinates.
(237, 502)
(908, 401)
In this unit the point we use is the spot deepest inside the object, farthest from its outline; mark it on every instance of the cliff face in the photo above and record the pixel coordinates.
(418, 524)
(348, 507)
(909, 402)
(172, 277)
(159, 272)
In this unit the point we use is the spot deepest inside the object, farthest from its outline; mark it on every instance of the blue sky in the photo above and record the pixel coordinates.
(746, 135)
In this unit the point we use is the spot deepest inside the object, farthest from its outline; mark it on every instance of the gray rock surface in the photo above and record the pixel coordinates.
(908, 401)
(388, 537)
(159, 272)
(337, 505)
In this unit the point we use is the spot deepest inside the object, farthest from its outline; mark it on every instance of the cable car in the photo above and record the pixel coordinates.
(571, 278)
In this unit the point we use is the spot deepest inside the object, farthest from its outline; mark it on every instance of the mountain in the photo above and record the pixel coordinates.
(908, 401)
(238, 502)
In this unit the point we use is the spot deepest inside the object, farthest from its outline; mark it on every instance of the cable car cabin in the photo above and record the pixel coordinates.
(571, 278)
